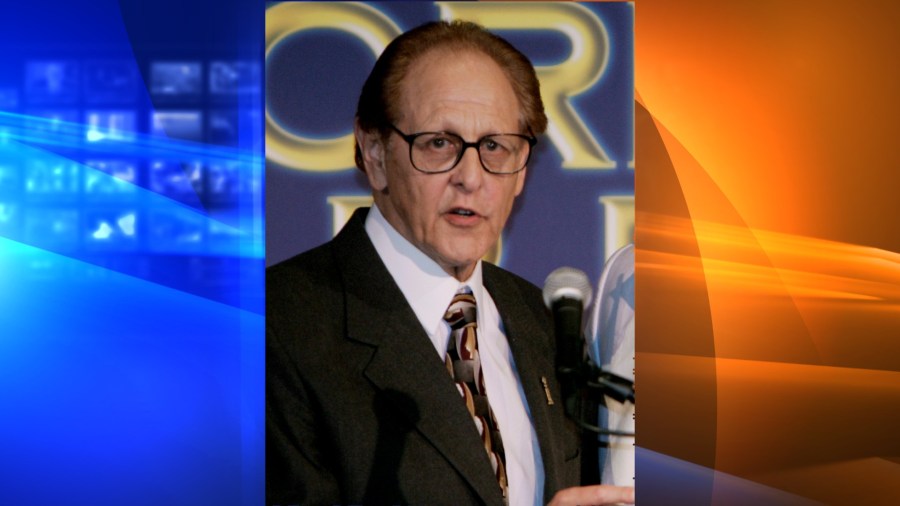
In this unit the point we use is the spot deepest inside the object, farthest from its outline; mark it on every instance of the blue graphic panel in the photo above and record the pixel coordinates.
(131, 253)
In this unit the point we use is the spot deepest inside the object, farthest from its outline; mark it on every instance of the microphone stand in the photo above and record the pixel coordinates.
(584, 386)
(587, 386)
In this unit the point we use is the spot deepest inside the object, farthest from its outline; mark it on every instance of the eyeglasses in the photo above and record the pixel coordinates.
(436, 152)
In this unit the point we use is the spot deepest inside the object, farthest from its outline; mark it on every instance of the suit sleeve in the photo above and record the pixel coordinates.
(299, 466)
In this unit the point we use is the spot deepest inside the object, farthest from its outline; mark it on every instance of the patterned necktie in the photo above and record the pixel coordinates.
(464, 365)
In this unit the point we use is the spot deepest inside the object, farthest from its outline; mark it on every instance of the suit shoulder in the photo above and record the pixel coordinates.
(302, 286)
(302, 265)
(529, 294)
(529, 290)
(320, 267)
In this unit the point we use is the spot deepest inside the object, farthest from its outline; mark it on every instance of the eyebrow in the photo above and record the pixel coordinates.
(463, 137)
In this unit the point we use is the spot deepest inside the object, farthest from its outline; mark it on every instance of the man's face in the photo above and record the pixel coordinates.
(456, 216)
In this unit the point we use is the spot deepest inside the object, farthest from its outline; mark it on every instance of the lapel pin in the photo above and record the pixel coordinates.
(547, 391)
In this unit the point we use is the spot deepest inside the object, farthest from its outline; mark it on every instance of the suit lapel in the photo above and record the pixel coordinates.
(404, 365)
(534, 363)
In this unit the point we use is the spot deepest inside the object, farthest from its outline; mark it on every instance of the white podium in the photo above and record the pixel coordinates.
(610, 344)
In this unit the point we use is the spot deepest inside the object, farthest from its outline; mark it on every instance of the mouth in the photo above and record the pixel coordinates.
(462, 216)
(461, 211)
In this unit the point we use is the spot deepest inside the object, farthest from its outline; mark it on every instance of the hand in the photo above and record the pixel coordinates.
(593, 495)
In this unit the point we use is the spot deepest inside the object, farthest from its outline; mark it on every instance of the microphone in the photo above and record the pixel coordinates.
(567, 292)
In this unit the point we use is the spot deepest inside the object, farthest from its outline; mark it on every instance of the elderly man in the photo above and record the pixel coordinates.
(401, 369)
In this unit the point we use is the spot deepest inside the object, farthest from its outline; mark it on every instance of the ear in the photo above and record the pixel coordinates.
(520, 180)
(372, 149)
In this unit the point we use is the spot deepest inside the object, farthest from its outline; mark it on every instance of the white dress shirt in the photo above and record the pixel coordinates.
(428, 290)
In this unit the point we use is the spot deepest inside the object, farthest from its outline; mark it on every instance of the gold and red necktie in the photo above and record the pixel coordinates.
(464, 365)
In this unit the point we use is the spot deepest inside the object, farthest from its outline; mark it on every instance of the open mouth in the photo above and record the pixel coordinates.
(462, 212)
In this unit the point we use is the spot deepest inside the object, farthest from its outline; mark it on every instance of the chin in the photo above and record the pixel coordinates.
(461, 257)
(463, 263)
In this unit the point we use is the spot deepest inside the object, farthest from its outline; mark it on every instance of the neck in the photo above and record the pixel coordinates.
(460, 272)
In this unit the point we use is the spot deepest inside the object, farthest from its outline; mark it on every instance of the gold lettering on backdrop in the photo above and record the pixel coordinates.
(559, 83)
(286, 19)
(619, 223)
(342, 207)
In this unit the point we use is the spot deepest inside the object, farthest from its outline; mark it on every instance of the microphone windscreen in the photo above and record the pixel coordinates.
(567, 282)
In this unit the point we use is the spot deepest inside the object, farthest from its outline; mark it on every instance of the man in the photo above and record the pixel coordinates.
(373, 397)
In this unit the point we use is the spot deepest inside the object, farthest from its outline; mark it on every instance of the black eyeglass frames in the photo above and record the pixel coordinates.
(436, 152)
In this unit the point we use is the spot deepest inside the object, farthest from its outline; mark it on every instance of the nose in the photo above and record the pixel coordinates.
(468, 173)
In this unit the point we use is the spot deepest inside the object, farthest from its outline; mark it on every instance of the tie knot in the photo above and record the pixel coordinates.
(462, 311)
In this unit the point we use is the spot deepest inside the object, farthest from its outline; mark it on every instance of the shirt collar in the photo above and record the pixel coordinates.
(428, 288)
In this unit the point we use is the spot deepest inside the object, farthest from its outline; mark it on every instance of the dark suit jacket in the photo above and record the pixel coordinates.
(359, 407)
